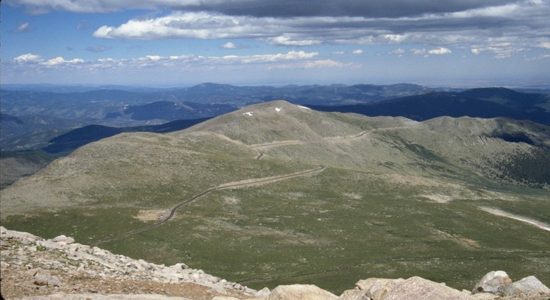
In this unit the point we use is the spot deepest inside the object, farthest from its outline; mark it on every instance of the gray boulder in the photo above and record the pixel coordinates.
(416, 288)
(376, 288)
(44, 279)
(494, 282)
(63, 239)
(528, 285)
(355, 294)
(263, 293)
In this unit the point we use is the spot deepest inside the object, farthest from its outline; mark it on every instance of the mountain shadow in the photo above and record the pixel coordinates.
(76, 138)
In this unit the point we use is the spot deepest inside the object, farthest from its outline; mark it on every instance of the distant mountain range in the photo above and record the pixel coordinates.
(30, 119)
(198, 100)
(481, 103)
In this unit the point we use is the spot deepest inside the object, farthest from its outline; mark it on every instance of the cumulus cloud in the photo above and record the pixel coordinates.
(358, 51)
(290, 59)
(61, 61)
(197, 25)
(203, 25)
(28, 58)
(228, 45)
(33, 59)
(425, 52)
(440, 51)
(231, 45)
(265, 58)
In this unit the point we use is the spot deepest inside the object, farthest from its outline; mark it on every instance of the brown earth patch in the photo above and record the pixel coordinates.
(150, 214)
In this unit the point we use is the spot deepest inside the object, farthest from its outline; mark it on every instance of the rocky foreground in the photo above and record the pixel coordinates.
(59, 268)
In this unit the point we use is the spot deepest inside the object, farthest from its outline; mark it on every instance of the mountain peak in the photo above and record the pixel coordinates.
(276, 121)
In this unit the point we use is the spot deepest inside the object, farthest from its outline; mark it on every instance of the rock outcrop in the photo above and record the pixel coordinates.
(59, 268)
(499, 283)
(494, 282)
(47, 265)
(300, 292)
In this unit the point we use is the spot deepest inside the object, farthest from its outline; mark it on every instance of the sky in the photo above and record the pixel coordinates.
(265, 42)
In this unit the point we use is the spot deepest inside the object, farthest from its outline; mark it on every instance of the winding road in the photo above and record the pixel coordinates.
(239, 184)
(250, 182)
(225, 186)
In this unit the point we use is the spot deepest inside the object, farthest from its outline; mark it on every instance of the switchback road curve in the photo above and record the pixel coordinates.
(225, 186)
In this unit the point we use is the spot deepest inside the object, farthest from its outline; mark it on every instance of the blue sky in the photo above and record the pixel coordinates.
(253, 42)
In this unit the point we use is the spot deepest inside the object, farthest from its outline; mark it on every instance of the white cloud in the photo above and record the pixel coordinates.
(290, 59)
(300, 54)
(264, 58)
(467, 26)
(152, 57)
(28, 58)
(197, 25)
(288, 41)
(501, 47)
(545, 45)
(506, 10)
(338, 52)
(33, 59)
(358, 51)
(313, 64)
(440, 51)
(61, 61)
(229, 45)
(395, 38)
(106, 60)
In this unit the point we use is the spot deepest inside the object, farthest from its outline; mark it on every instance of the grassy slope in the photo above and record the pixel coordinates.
(380, 209)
